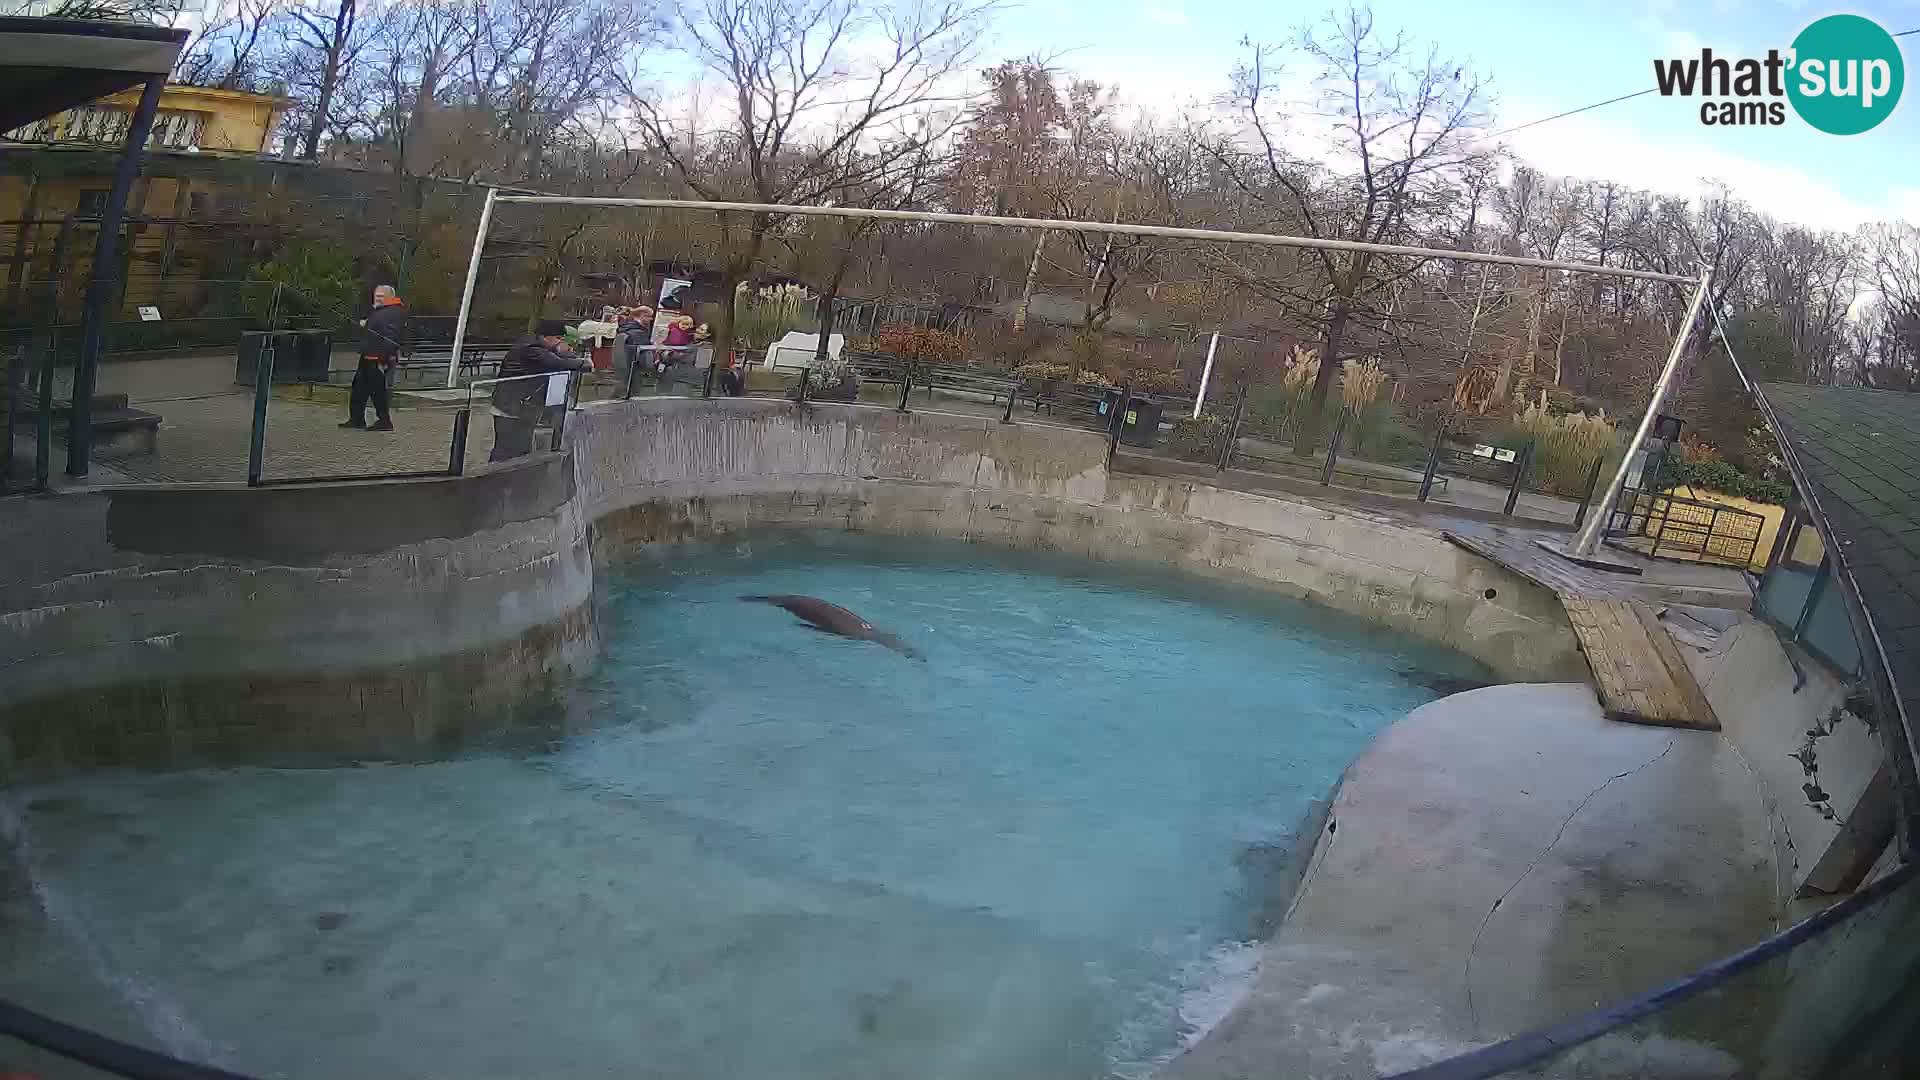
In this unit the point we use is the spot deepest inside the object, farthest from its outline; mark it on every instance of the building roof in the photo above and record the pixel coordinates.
(1858, 457)
(49, 65)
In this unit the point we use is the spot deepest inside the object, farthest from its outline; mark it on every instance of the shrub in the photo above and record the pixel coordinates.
(1564, 447)
(322, 275)
(1090, 377)
(920, 344)
(1155, 380)
(1040, 370)
(1198, 438)
(1714, 474)
(764, 317)
(1360, 383)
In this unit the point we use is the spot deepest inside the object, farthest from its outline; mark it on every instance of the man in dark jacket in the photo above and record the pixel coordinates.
(519, 404)
(383, 338)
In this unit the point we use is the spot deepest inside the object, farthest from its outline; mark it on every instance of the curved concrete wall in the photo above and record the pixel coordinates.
(181, 625)
(676, 469)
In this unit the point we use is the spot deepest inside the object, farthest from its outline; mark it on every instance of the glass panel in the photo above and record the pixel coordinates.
(1829, 633)
(1783, 595)
(1806, 549)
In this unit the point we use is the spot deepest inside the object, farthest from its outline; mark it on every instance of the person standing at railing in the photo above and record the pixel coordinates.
(518, 404)
(383, 337)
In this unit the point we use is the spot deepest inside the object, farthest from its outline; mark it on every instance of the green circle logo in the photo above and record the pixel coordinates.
(1847, 74)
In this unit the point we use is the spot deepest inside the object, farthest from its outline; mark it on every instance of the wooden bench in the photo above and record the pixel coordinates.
(113, 421)
(424, 363)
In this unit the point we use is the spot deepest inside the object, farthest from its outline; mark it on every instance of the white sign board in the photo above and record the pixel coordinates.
(797, 350)
(669, 286)
(557, 389)
(1494, 452)
(149, 313)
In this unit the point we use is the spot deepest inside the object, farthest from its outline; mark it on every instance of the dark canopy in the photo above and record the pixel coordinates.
(47, 65)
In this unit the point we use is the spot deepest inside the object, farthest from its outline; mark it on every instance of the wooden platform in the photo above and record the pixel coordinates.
(1637, 668)
(1641, 676)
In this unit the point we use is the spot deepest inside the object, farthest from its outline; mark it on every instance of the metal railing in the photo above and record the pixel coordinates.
(1693, 530)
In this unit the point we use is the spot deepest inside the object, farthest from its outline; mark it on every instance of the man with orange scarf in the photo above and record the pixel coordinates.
(383, 339)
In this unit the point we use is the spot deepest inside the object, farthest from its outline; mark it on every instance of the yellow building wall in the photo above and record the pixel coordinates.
(235, 121)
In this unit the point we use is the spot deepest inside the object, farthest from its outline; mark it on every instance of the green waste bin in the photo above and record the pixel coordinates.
(248, 361)
(312, 356)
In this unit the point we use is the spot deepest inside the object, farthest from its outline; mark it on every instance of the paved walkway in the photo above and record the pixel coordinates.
(1503, 859)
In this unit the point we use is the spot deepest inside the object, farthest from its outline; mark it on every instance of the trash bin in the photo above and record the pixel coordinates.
(312, 357)
(1141, 424)
(251, 342)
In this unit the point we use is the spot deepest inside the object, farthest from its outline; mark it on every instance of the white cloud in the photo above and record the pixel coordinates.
(1582, 146)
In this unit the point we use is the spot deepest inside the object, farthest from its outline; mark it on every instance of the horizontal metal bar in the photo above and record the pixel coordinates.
(1544, 1044)
(1114, 228)
(356, 478)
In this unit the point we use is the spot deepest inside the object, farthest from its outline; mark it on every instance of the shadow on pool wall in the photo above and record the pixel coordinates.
(170, 626)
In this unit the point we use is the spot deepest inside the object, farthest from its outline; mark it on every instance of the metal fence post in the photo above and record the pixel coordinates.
(1333, 449)
(1012, 392)
(906, 386)
(633, 372)
(1586, 496)
(43, 428)
(457, 456)
(1433, 462)
(706, 384)
(262, 392)
(1519, 477)
(1117, 421)
(566, 404)
(1233, 429)
(805, 373)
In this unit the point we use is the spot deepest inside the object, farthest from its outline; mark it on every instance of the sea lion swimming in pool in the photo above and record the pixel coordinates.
(834, 619)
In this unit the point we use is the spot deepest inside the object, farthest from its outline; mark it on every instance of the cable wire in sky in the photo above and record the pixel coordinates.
(1610, 101)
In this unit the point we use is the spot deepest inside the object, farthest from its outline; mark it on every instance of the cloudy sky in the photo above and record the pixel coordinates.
(1543, 58)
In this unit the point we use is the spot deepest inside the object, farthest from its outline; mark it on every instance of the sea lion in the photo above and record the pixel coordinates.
(834, 619)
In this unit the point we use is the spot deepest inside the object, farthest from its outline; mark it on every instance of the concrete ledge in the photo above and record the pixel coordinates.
(1498, 860)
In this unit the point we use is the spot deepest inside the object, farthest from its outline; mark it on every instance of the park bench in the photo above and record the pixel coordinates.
(114, 421)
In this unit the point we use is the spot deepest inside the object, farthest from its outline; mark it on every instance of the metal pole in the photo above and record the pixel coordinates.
(1206, 373)
(906, 386)
(466, 295)
(1012, 392)
(262, 391)
(1333, 449)
(1433, 461)
(1115, 228)
(1519, 478)
(1233, 429)
(457, 457)
(104, 272)
(1587, 541)
(1586, 494)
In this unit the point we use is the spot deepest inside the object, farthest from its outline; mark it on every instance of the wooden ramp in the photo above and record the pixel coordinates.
(1641, 676)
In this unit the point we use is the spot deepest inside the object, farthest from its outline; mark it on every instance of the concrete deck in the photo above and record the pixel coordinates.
(1502, 859)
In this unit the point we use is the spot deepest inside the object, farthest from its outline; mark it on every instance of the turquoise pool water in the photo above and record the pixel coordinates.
(1039, 852)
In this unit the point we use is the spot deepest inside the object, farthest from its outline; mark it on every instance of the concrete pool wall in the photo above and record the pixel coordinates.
(191, 624)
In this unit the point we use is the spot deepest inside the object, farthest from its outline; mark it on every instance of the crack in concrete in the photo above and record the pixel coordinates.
(1466, 975)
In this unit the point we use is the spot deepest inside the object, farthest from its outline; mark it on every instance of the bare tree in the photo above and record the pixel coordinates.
(823, 97)
(1402, 121)
(319, 43)
(229, 50)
